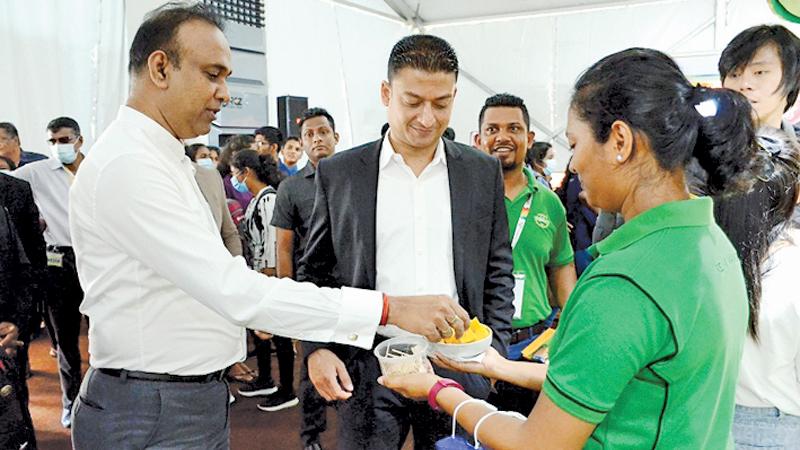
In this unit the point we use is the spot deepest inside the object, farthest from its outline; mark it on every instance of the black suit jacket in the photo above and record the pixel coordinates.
(341, 242)
(17, 198)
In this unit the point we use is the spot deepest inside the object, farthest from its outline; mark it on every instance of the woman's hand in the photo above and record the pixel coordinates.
(414, 386)
(487, 367)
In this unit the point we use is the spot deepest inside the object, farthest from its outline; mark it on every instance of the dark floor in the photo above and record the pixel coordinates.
(250, 428)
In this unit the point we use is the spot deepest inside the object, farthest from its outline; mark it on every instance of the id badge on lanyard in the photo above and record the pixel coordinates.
(55, 259)
(519, 278)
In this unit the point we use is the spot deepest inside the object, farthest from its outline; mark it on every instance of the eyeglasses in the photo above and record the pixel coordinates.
(63, 140)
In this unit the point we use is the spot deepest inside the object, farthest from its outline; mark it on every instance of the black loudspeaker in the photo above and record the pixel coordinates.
(290, 109)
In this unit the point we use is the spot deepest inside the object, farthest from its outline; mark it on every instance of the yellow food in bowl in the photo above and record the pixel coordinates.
(476, 332)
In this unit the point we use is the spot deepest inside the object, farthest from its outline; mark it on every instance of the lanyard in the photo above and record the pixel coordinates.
(523, 217)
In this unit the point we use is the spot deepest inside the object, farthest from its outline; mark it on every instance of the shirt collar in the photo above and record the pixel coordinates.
(309, 170)
(531, 186)
(685, 213)
(165, 142)
(388, 151)
(54, 163)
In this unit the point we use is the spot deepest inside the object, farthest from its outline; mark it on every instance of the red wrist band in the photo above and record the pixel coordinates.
(385, 313)
(441, 384)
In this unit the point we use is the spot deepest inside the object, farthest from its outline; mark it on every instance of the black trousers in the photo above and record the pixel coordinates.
(313, 419)
(377, 418)
(16, 426)
(285, 351)
(64, 296)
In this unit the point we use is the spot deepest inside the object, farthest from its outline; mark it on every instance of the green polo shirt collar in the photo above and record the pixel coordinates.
(684, 213)
(530, 188)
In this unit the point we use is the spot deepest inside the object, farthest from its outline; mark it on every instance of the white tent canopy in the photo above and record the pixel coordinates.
(531, 48)
(335, 51)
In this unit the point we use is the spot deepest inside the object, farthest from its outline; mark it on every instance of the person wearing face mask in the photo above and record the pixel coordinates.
(200, 154)
(50, 181)
(213, 189)
(541, 160)
(260, 175)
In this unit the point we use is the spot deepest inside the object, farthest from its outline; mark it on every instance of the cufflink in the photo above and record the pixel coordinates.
(353, 337)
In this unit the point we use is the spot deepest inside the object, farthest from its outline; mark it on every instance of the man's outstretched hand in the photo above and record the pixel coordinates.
(434, 316)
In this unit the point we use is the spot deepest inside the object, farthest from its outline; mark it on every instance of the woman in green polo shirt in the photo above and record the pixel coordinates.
(648, 348)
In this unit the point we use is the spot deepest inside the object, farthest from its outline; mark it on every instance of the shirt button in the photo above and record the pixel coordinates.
(353, 337)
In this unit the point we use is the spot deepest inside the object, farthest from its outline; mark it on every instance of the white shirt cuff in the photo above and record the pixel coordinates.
(360, 315)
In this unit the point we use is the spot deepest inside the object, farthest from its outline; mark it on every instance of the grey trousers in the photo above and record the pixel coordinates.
(116, 413)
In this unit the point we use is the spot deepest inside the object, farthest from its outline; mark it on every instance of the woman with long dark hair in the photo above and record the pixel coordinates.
(259, 175)
(763, 63)
(759, 226)
(647, 351)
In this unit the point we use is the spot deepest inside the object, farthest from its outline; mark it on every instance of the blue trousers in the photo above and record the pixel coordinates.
(765, 428)
(116, 413)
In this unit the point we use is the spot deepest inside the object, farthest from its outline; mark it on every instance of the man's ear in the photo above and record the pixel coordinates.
(157, 64)
(476, 140)
(386, 92)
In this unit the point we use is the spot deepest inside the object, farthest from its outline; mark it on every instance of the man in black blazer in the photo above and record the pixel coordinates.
(411, 212)
(16, 195)
(16, 201)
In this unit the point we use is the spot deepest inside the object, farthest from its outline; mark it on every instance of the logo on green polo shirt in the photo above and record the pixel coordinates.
(542, 220)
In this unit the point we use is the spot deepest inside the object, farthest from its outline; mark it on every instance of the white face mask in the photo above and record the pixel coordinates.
(552, 165)
(64, 152)
(205, 162)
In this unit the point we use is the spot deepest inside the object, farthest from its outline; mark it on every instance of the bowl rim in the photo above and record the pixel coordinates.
(489, 337)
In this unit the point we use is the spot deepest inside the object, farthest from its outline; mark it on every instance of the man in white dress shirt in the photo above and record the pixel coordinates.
(168, 305)
(430, 217)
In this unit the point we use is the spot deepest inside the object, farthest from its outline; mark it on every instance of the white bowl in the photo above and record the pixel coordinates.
(462, 351)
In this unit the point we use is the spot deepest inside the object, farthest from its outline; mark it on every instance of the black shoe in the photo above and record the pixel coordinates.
(278, 401)
(258, 388)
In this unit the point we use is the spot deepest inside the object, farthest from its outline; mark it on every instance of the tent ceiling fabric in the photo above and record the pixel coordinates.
(444, 12)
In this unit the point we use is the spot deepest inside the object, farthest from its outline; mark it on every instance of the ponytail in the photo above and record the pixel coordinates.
(726, 147)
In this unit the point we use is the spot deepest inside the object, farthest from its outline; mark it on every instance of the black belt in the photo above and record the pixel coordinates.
(520, 334)
(147, 376)
(59, 248)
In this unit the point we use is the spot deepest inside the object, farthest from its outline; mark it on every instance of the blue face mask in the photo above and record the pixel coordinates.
(240, 186)
(65, 153)
(206, 163)
(552, 165)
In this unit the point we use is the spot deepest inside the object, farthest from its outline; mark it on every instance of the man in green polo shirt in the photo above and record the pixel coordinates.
(543, 257)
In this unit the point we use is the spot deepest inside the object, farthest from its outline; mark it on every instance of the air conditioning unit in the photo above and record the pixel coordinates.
(246, 34)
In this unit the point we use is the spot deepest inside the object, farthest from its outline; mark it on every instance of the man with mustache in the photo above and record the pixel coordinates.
(543, 257)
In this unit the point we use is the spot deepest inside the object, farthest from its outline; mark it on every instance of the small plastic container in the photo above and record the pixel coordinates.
(403, 355)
